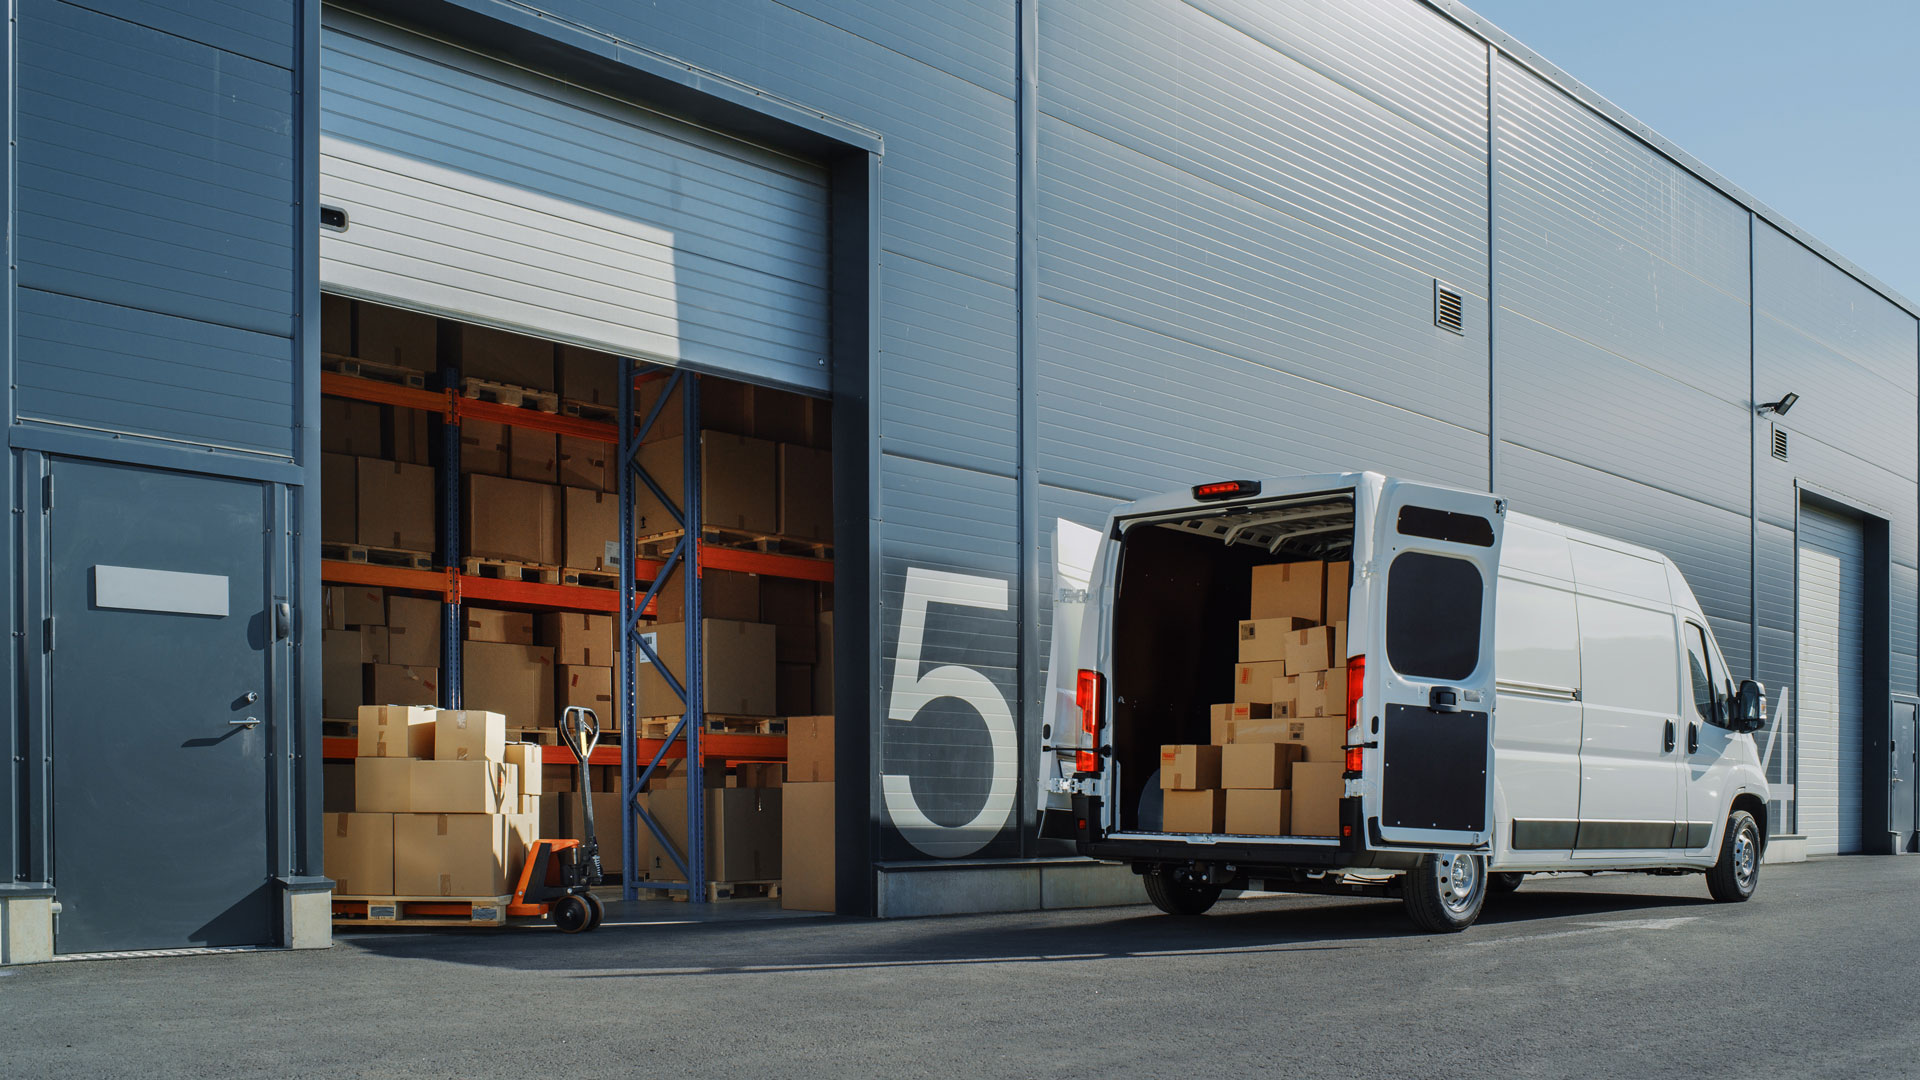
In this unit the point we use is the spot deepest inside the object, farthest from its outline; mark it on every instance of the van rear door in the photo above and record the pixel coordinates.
(1429, 679)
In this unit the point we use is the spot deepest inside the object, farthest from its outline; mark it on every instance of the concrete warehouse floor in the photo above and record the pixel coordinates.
(1614, 976)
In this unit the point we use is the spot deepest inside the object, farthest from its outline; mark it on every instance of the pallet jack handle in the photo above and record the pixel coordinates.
(580, 730)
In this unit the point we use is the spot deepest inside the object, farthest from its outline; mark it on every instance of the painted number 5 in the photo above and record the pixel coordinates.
(914, 691)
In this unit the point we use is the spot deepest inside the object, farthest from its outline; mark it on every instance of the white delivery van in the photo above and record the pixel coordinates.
(1522, 697)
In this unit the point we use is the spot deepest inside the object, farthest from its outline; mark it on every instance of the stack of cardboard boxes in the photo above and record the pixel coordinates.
(377, 647)
(806, 839)
(443, 806)
(376, 480)
(1274, 765)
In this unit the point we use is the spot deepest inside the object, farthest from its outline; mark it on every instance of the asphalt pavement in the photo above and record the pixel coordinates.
(1818, 976)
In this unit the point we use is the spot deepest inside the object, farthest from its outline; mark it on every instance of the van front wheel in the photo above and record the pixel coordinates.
(1444, 893)
(1737, 874)
(1179, 897)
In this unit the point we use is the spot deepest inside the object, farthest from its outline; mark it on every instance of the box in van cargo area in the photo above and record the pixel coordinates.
(1189, 767)
(1251, 682)
(1195, 811)
(1317, 786)
(1265, 640)
(1309, 650)
(1322, 737)
(1245, 716)
(1339, 580)
(1289, 591)
(1318, 693)
(1260, 766)
(1259, 813)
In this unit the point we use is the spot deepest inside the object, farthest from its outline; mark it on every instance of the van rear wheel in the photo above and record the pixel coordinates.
(1176, 896)
(1737, 874)
(1444, 893)
(1500, 884)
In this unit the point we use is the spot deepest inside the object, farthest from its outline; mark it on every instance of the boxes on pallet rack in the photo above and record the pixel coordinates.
(512, 679)
(586, 463)
(737, 672)
(592, 526)
(807, 816)
(393, 505)
(413, 630)
(724, 594)
(588, 377)
(511, 520)
(350, 427)
(493, 624)
(509, 359)
(391, 336)
(736, 484)
(578, 638)
(338, 521)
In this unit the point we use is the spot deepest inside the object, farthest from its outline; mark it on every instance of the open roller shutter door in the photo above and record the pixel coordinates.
(1830, 697)
(483, 192)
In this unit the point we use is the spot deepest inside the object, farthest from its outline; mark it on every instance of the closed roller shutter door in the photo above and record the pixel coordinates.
(1833, 587)
(483, 192)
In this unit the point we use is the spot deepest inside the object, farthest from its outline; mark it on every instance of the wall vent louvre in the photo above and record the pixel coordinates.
(1446, 309)
(1779, 443)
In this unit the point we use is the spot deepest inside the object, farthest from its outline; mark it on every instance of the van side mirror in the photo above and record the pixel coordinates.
(1750, 706)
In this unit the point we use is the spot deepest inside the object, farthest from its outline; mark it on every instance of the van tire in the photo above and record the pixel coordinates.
(1444, 893)
(1180, 897)
(1737, 874)
(1501, 884)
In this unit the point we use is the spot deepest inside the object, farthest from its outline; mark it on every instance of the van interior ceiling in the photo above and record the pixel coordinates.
(1182, 591)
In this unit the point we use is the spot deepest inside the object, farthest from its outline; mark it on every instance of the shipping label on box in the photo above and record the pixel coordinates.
(1252, 682)
(1257, 765)
(463, 787)
(358, 853)
(578, 638)
(396, 731)
(469, 735)
(1259, 813)
(394, 505)
(1203, 811)
(1309, 650)
(505, 627)
(1321, 693)
(1288, 590)
(464, 855)
(1323, 738)
(1187, 767)
(1263, 641)
(413, 630)
(1317, 788)
(382, 785)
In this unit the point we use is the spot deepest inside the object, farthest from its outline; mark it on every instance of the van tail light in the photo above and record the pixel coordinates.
(1090, 693)
(1356, 679)
(1354, 761)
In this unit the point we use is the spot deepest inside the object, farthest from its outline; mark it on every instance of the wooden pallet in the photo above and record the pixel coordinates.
(660, 545)
(659, 727)
(420, 910)
(587, 410)
(522, 397)
(373, 369)
(507, 570)
(592, 579)
(376, 556)
(539, 736)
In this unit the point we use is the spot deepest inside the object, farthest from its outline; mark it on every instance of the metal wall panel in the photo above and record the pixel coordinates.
(262, 30)
(1843, 403)
(1806, 291)
(945, 394)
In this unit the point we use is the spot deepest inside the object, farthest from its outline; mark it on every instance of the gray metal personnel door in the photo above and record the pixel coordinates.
(1903, 790)
(160, 635)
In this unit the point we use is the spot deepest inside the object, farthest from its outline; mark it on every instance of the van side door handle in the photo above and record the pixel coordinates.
(1693, 737)
(1669, 736)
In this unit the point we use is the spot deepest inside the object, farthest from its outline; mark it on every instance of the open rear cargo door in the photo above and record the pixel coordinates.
(1429, 698)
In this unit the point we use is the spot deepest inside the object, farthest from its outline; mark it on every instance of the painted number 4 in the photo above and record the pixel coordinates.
(913, 690)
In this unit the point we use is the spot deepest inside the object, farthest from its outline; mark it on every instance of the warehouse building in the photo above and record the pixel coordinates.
(1033, 258)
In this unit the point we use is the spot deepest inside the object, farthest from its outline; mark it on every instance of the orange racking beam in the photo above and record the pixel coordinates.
(553, 597)
(333, 384)
(341, 572)
(515, 416)
(760, 562)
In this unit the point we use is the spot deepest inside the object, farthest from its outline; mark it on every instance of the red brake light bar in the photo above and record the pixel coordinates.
(1356, 679)
(1090, 694)
(1226, 489)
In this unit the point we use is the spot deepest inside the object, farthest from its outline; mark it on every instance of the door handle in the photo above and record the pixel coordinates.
(249, 722)
(1443, 699)
(1693, 737)
(282, 620)
(1669, 740)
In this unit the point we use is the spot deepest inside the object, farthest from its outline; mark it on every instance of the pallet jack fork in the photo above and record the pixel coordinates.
(558, 878)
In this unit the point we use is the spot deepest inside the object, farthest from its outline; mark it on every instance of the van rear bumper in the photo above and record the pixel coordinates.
(1246, 857)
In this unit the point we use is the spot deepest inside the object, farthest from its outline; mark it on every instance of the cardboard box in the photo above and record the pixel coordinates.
(586, 463)
(1203, 811)
(473, 786)
(465, 855)
(727, 406)
(743, 831)
(493, 624)
(413, 630)
(592, 521)
(530, 771)
(366, 605)
(402, 731)
(336, 787)
(533, 455)
(1320, 693)
(792, 689)
(391, 336)
(607, 808)
(1264, 641)
(350, 427)
(394, 505)
(358, 853)
(469, 735)
(1317, 788)
(1339, 584)
(409, 435)
(793, 607)
(1250, 721)
(805, 495)
(578, 638)
(823, 663)
(1252, 682)
(1309, 650)
(1259, 813)
(339, 516)
(1257, 765)
(724, 594)
(336, 325)
(806, 847)
(514, 680)
(501, 357)
(1323, 738)
(737, 479)
(383, 785)
(341, 688)
(373, 645)
(1288, 590)
(512, 520)
(738, 676)
(485, 448)
(809, 749)
(589, 376)
(1189, 767)
(762, 773)
(589, 687)
(670, 423)
(397, 684)
(333, 607)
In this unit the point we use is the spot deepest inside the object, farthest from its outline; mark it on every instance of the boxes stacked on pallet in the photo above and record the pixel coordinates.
(376, 478)
(443, 806)
(1275, 762)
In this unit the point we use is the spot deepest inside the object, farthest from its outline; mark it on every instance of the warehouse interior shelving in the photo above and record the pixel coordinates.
(637, 757)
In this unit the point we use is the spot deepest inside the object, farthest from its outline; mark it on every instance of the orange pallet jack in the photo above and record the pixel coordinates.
(557, 881)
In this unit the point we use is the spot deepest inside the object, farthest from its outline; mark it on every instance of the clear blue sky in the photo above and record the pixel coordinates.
(1813, 108)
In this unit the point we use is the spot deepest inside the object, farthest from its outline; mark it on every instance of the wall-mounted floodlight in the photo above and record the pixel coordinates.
(1778, 408)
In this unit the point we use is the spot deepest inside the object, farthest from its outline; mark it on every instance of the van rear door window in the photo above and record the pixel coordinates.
(1430, 524)
(1433, 616)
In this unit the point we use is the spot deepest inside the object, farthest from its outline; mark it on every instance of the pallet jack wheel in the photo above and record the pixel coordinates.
(572, 914)
(599, 907)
